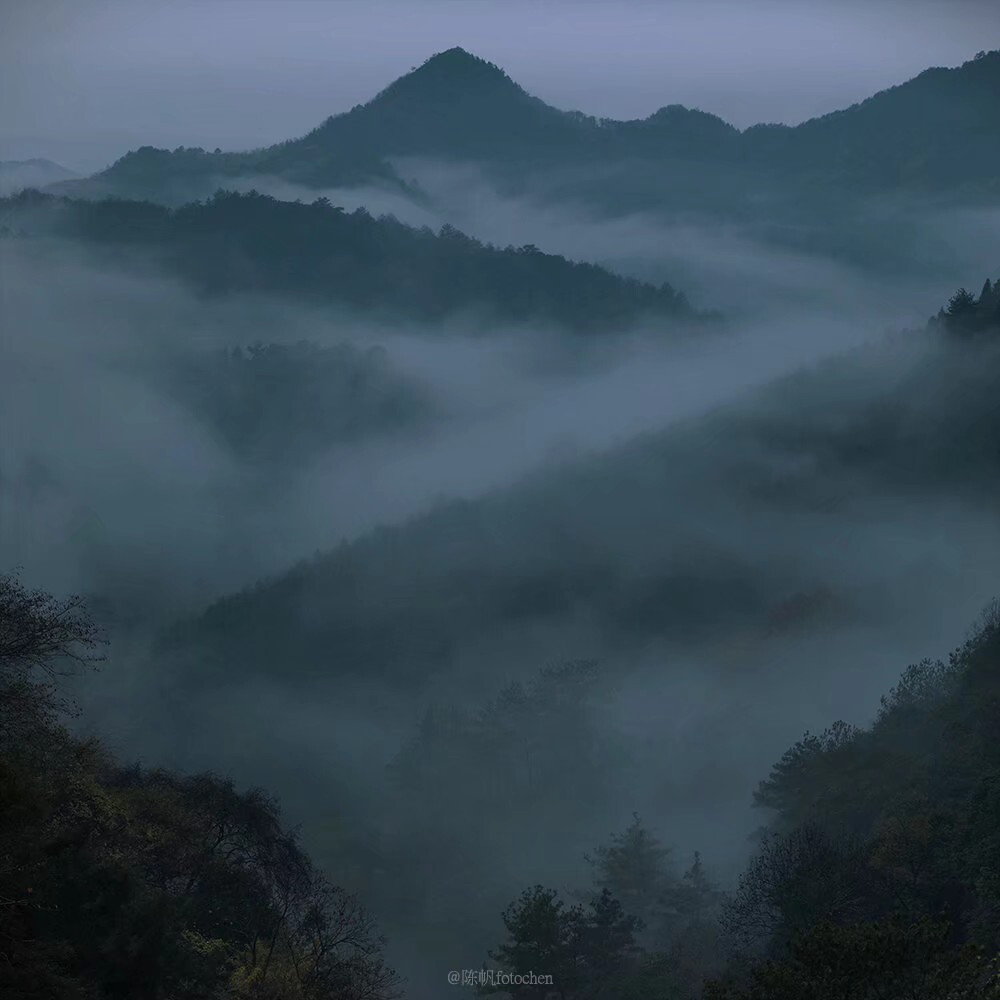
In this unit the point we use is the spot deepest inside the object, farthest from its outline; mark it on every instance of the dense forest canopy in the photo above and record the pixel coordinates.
(120, 881)
(874, 875)
(252, 242)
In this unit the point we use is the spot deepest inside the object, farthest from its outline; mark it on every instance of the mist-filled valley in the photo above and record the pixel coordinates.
(505, 490)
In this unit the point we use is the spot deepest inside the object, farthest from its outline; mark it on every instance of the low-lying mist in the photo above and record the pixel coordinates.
(89, 356)
(886, 262)
(750, 533)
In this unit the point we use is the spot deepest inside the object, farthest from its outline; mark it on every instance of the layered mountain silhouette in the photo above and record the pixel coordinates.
(933, 135)
(391, 606)
(317, 253)
(16, 175)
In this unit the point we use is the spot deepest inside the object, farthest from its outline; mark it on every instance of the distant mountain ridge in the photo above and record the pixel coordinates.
(935, 134)
(16, 175)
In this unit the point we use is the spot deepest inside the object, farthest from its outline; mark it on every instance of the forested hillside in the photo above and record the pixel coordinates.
(875, 875)
(321, 254)
(915, 415)
(124, 881)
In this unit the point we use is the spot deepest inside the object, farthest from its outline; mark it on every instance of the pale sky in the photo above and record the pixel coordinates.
(83, 81)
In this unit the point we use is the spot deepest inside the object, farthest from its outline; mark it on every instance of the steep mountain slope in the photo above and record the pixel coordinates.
(455, 106)
(876, 875)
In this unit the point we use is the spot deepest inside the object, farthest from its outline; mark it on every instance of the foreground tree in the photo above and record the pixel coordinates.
(119, 882)
(586, 950)
(636, 868)
(878, 879)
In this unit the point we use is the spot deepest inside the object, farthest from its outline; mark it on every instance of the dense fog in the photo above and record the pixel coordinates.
(469, 584)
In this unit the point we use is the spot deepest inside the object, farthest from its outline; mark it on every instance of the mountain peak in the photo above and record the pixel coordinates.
(458, 60)
(455, 68)
(455, 54)
(455, 105)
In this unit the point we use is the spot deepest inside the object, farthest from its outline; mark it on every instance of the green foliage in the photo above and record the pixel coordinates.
(797, 880)
(640, 932)
(126, 883)
(967, 316)
(887, 960)
(679, 914)
(634, 866)
(796, 775)
(637, 869)
(585, 949)
(878, 878)
(41, 633)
